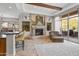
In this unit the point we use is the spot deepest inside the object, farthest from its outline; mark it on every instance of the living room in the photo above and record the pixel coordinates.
(39, 29)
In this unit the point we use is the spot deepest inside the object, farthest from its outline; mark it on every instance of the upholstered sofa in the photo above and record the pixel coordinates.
(55, 36)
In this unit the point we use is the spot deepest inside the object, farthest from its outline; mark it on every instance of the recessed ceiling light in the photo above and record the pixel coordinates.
(10, 7)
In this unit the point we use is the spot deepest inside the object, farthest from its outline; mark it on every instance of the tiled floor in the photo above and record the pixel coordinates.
(72, 39)
(58, 49)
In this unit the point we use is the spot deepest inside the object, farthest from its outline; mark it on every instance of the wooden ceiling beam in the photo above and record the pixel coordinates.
(46, 6)
(70, 13)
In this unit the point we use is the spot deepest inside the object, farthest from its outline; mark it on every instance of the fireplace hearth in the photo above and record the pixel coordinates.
(38, 32)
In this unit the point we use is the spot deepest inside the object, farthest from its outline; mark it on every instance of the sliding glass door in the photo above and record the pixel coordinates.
(73, 28)
(64, 27)
(70, 28)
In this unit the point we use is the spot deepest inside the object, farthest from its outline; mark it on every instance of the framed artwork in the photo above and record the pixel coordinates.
(26, 26)
(48, 26)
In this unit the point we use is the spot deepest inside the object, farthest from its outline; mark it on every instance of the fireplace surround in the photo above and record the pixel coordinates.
(38, 30)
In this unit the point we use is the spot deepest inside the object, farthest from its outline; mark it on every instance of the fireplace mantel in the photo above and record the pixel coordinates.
(35, 27)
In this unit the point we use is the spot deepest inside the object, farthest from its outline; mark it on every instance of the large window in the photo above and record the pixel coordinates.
(73, 23)
(64, 24)
(70, 26)
(58, 24)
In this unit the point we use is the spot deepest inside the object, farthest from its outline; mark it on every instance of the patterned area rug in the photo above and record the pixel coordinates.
(29, 49)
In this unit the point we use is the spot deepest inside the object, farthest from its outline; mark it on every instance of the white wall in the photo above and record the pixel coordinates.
(48, 20)
(57, 24)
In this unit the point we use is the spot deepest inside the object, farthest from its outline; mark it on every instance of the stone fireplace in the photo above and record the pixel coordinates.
(38, 30)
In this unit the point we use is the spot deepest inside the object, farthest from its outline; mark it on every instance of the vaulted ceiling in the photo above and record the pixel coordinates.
(51, 9)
